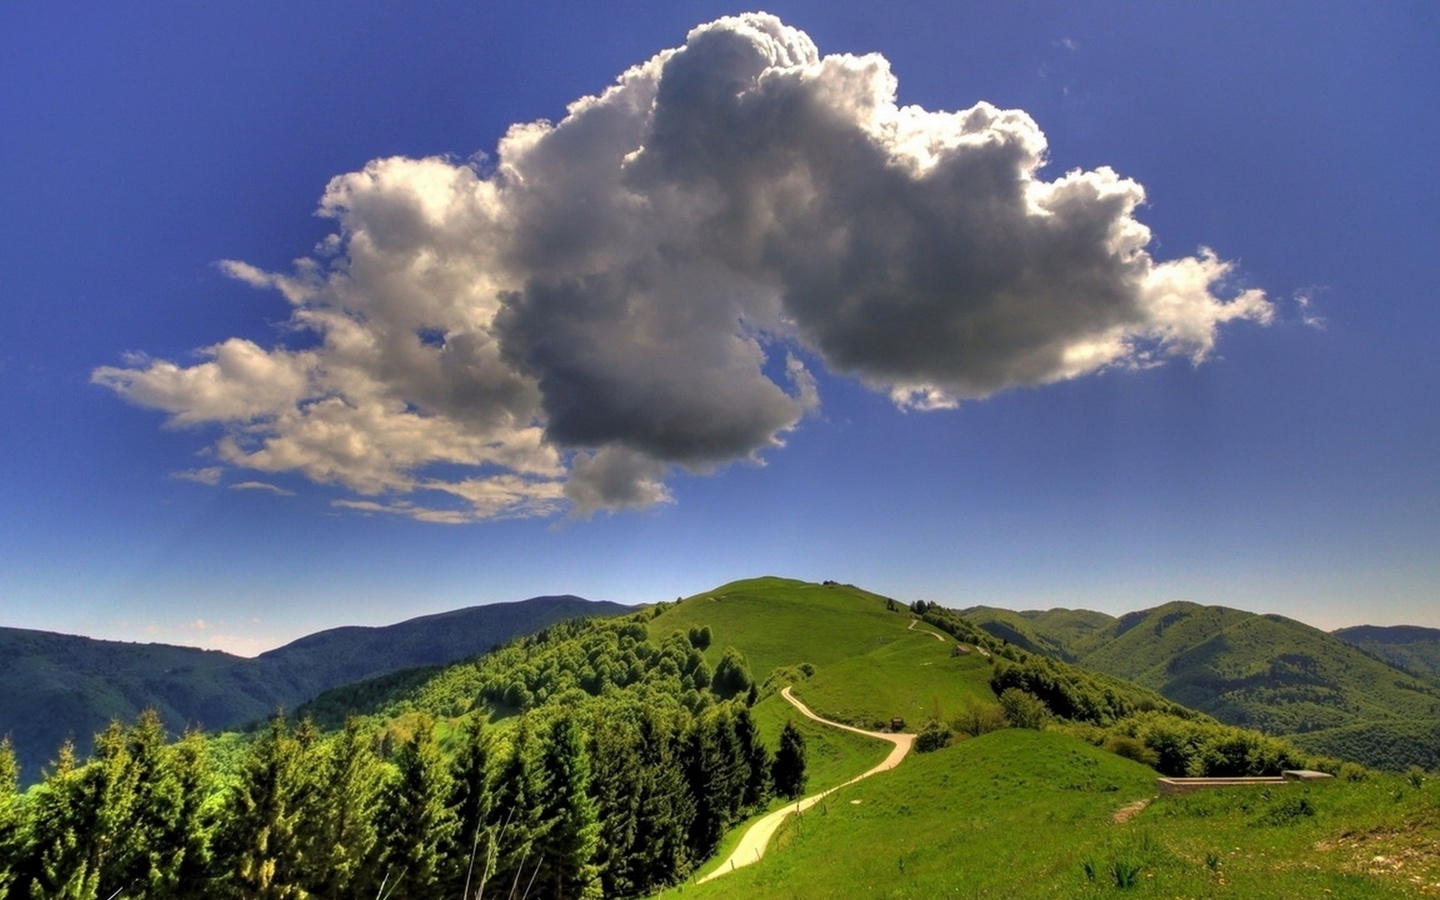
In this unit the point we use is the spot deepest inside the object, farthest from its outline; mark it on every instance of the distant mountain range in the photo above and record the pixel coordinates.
(1365, 693)
(56, 686)
(1410, 647)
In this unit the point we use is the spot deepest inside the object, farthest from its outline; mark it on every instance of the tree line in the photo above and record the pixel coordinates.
(615, 793)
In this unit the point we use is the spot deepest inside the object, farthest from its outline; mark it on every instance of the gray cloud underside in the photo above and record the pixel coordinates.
(607, 301)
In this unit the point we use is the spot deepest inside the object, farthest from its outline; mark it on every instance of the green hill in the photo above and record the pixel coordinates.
(1265, 672)
(56, 686)
(1410, 647)
(870, 664)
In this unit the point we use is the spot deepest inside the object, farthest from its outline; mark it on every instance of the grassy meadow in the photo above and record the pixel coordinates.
(1020, 813)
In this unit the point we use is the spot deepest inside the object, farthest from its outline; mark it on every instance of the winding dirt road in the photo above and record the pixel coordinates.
(938, 637)
(752, 845)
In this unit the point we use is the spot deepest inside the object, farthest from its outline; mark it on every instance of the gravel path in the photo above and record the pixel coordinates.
(752, 845)
(938, 637)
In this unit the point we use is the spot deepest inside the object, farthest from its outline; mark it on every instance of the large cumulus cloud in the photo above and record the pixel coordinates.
(637, 286)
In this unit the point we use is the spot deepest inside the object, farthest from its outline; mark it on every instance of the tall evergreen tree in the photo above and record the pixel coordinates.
(82, 834)
(260, 848)
(757, 761)
(470, 800)
(190, 835)
(45, 860)
(567, 869)
(10, 835)
(705, 780)
(733, 768)
(616, 786)
(161, 833)
(341, 832)
(416, 824)
(515, 814)
(789, 769)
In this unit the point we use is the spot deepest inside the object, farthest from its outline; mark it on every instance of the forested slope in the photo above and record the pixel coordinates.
(54, 686)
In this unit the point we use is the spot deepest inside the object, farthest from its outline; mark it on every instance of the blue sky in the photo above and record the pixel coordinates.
(716, 344)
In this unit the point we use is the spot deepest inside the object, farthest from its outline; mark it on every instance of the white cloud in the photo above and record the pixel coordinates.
(261, 486)
(601, 305)
(208, 475)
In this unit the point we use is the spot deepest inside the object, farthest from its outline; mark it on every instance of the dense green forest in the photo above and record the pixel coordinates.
(614, 766)
(55, 686)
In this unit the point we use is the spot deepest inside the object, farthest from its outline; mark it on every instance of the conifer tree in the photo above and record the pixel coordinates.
(81, 830)
(417, 825)
(705, 779)
(159, 831)
(616, 786)
(515, 813)
(45, 862)
(10, 836)
(789, 769)
(259, 849)
(470, 851)
(567, 851)
(342, 832)
(190, 834)
(757, 761)
(665, 807)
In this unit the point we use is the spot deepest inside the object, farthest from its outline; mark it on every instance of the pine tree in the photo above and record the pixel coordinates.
(515, 813)
(259, 849)
(82, 827)
(470, 800)
(757, 761)
(45, 858)
(616, 786)
(789, 769)
(571, 831)
(705, 779)
(417, 825)
(666, 808)
(341, 832)
(163, 827)
(10, 836)
(734, 769)
(190, 835)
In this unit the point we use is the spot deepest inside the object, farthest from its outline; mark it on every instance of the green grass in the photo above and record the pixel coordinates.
(832, 756)
(913, 677)
(1020, 814)
(779, 621)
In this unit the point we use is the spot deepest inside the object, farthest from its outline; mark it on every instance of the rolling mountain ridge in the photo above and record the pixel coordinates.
(1325, 693)
(56, 686)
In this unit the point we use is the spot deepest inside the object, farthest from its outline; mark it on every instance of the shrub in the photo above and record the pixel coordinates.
(1023, 709)
(977, 720)
(933, 736)
(1287, 811)
(1132, 748)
